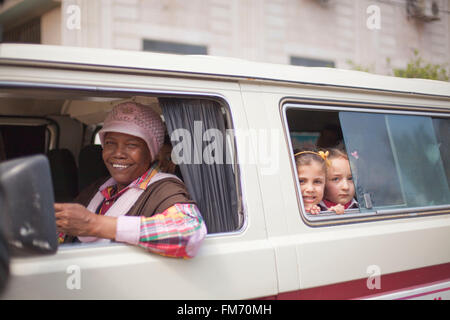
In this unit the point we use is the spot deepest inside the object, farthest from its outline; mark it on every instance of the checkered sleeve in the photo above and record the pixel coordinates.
(176, 232)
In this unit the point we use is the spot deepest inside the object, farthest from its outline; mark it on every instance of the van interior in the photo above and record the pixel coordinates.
(316, 129)
(63, 125)
(398, 161)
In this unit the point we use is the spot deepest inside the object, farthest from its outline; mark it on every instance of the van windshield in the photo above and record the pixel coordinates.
(398, 161)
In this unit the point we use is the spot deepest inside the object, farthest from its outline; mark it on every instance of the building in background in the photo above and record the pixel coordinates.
(301, 32)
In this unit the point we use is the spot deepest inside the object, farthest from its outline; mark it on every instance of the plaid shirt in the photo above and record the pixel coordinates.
(176, 232)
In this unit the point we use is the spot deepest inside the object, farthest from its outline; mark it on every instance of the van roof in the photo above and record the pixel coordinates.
(212, 66)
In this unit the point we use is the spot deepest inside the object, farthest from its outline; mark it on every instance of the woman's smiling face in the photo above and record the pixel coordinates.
(126, 157)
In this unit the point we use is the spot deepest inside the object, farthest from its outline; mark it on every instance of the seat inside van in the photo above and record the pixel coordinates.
(64, 174)
(90, 165)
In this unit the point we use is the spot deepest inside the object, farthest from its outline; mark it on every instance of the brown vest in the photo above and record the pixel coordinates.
(158, 197)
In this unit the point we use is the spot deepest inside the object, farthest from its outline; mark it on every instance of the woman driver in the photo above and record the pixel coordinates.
(138, 204)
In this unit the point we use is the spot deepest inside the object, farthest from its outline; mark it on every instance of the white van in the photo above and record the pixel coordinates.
(261, 243)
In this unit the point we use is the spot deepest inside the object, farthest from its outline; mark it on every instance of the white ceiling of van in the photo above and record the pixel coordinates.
(88, 110)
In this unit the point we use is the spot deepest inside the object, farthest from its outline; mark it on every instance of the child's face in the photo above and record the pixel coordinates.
(339, 187)
(312, 183)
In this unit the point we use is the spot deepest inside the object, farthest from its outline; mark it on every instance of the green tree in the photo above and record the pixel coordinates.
(418, 68)
(359, 67)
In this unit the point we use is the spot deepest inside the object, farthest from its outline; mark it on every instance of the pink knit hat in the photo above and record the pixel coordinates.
(137, 120)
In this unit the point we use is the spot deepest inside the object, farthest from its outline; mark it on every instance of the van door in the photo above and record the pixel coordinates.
(275, 177)
(357, 254)
(229, 265)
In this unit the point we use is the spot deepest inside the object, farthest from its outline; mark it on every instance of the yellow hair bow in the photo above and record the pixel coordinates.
(323, 155)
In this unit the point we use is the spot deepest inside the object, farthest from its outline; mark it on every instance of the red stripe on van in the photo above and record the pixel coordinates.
(358, 288)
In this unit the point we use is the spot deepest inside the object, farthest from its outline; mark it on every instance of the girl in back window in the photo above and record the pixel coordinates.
(311, 169)
(339, 187)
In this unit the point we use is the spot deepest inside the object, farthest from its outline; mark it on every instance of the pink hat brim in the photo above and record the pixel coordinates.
(133, 130)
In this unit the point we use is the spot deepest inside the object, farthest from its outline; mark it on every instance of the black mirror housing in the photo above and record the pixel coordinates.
(27, 213)
(4, 262)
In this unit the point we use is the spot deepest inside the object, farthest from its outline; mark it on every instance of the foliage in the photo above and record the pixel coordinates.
(417, 67)
(358, 67)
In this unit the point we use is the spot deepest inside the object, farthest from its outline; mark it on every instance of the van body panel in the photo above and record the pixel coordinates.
(323, 253)
(246, 253)
(381, 245)
(354, 98)
(276, 191)
(435, 291)
(429, 283)
(123, 272)
(210, 67)
(101, 79)
(277, 250)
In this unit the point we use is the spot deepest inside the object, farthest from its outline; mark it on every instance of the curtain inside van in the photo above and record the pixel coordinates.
(198, 134)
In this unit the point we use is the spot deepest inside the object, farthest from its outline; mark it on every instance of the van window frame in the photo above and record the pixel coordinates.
(120, 92)
(353, 215)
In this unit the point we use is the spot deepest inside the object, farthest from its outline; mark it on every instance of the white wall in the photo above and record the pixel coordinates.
(264, 30)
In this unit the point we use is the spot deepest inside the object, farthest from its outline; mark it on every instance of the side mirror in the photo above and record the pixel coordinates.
(27, 214)
(4, 261)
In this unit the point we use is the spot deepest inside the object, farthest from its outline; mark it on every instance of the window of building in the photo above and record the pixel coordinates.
(173, 47)
(28, 32)
(309, 62)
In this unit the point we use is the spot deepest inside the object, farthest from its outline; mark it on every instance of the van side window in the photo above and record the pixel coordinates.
(442, 130)
(311, 130)
(397, 160)
(198, 127)
(197, 132)
(400, 163)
